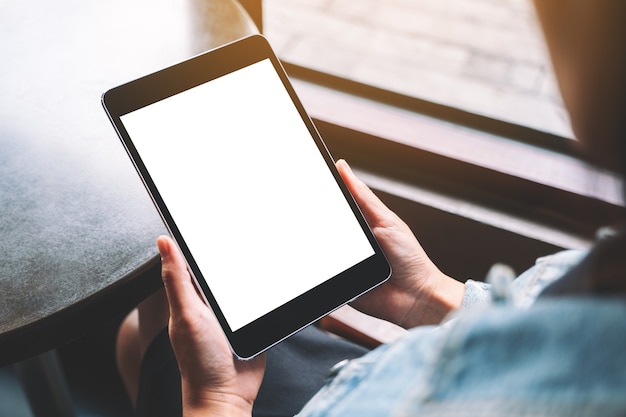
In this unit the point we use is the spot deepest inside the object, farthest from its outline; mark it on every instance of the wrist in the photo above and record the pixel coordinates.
(431, 307)
(215, 405)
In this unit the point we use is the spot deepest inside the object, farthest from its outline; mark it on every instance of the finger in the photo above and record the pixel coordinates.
(178, 286)
(374, 210)
(190, 318)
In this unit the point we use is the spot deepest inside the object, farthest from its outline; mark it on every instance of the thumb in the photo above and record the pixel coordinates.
(375, 211)
(176, 279)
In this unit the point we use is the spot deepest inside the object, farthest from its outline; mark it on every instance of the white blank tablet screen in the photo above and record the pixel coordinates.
(249, 191)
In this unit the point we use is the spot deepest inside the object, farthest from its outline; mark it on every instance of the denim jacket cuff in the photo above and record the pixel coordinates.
(476, 294)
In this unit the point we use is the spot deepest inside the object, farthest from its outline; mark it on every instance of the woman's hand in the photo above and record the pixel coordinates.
(417, 292)
(214, 382)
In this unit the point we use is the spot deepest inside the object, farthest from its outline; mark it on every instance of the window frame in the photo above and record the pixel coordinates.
(528, 215)
(571, 206)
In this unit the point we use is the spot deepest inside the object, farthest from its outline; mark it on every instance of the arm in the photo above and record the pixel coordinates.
(418, 292)
(214, 382)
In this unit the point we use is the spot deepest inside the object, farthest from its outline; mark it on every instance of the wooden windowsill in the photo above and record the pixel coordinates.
(478, 148)
(539, 193)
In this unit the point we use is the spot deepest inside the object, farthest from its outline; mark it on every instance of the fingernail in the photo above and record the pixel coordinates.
(348, 167)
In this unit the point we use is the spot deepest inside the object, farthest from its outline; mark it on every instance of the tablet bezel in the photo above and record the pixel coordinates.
(307, 308)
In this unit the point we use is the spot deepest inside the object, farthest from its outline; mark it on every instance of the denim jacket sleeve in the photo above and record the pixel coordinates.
(525, 289)
(504, 347)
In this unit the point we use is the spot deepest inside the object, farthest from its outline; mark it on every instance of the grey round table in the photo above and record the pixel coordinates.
(77, 229)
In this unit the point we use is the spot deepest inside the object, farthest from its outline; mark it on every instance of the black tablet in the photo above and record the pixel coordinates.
(248, 190)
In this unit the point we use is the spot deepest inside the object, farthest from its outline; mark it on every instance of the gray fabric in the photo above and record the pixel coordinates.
(296, 369)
